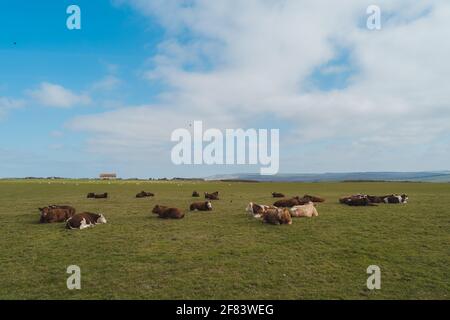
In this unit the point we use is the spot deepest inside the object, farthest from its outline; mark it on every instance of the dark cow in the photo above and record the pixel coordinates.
(195, 194)
(277, 195)
(277, 216)
(357, 200)
(289, 203)
(92, 195)
(101, 195)
(396, 198)
(85, 220)
(201, 206)
(144, 194)
(168, 213)
(376, 199)
(212, 196)
(56, 213)
(310, 198)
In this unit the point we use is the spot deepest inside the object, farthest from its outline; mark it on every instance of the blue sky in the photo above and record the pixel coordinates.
(106, 97)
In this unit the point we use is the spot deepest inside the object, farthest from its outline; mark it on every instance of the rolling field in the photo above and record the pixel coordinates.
(224, 254)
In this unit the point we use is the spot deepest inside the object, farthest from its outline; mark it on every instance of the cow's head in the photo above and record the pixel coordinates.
(101, 219)
(208, 205)
(44, 211)
(285, 216)
(249, 208)
(405, 198)
(156, 209)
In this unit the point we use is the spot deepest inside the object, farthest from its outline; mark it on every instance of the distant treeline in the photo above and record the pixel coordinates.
(123, 179)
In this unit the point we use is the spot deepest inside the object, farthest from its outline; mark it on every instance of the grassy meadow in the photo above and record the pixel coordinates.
(224, 254)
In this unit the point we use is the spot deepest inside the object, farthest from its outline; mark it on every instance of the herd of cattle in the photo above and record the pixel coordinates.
(281, 212)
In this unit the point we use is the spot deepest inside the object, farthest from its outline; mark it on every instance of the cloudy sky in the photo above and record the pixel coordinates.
(107, 97)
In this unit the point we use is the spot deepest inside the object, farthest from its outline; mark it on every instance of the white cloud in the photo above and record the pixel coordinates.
(7, 104)
(107, 83)
(252, 59)
(54, 95)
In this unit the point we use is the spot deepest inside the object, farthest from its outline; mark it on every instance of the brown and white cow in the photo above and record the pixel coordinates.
(306, 210)
(257, 210)
(277, 216)
(56, 213)
(165, 212)
(85, 220)
(201, 206)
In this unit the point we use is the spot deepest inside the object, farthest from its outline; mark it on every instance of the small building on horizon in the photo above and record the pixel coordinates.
(108, 176)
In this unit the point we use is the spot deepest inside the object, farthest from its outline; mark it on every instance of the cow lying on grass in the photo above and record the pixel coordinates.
(195, 194)
(212, 196)
(55, 213)
(257, 210)
(368, 200)
(289, 203)
(92, 195)
(358, 200)
(306, 210)
(144, 194)
(201, 206)
(394, 198)
(85, 220)
(277, 216)
(269, 214)
(308, 198)
(168, 213)
(277, 195)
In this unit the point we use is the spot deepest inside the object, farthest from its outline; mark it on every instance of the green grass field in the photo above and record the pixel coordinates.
(224, 254)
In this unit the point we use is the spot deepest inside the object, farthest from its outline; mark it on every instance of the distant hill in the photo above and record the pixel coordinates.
(432, 176)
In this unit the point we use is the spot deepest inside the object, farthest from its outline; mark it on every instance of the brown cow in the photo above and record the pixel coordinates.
(376, 199)
(212, 196)
(56, 213)
(308, 198)
(85, 220)
(195, 194)
(289, 203)
(168, 213)
(358, 200)
(158, 208)
(101, 196)
(92, 195)
(277, 216)
(144, 194)
(307, 210)
(201, 206)
(277, 195)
